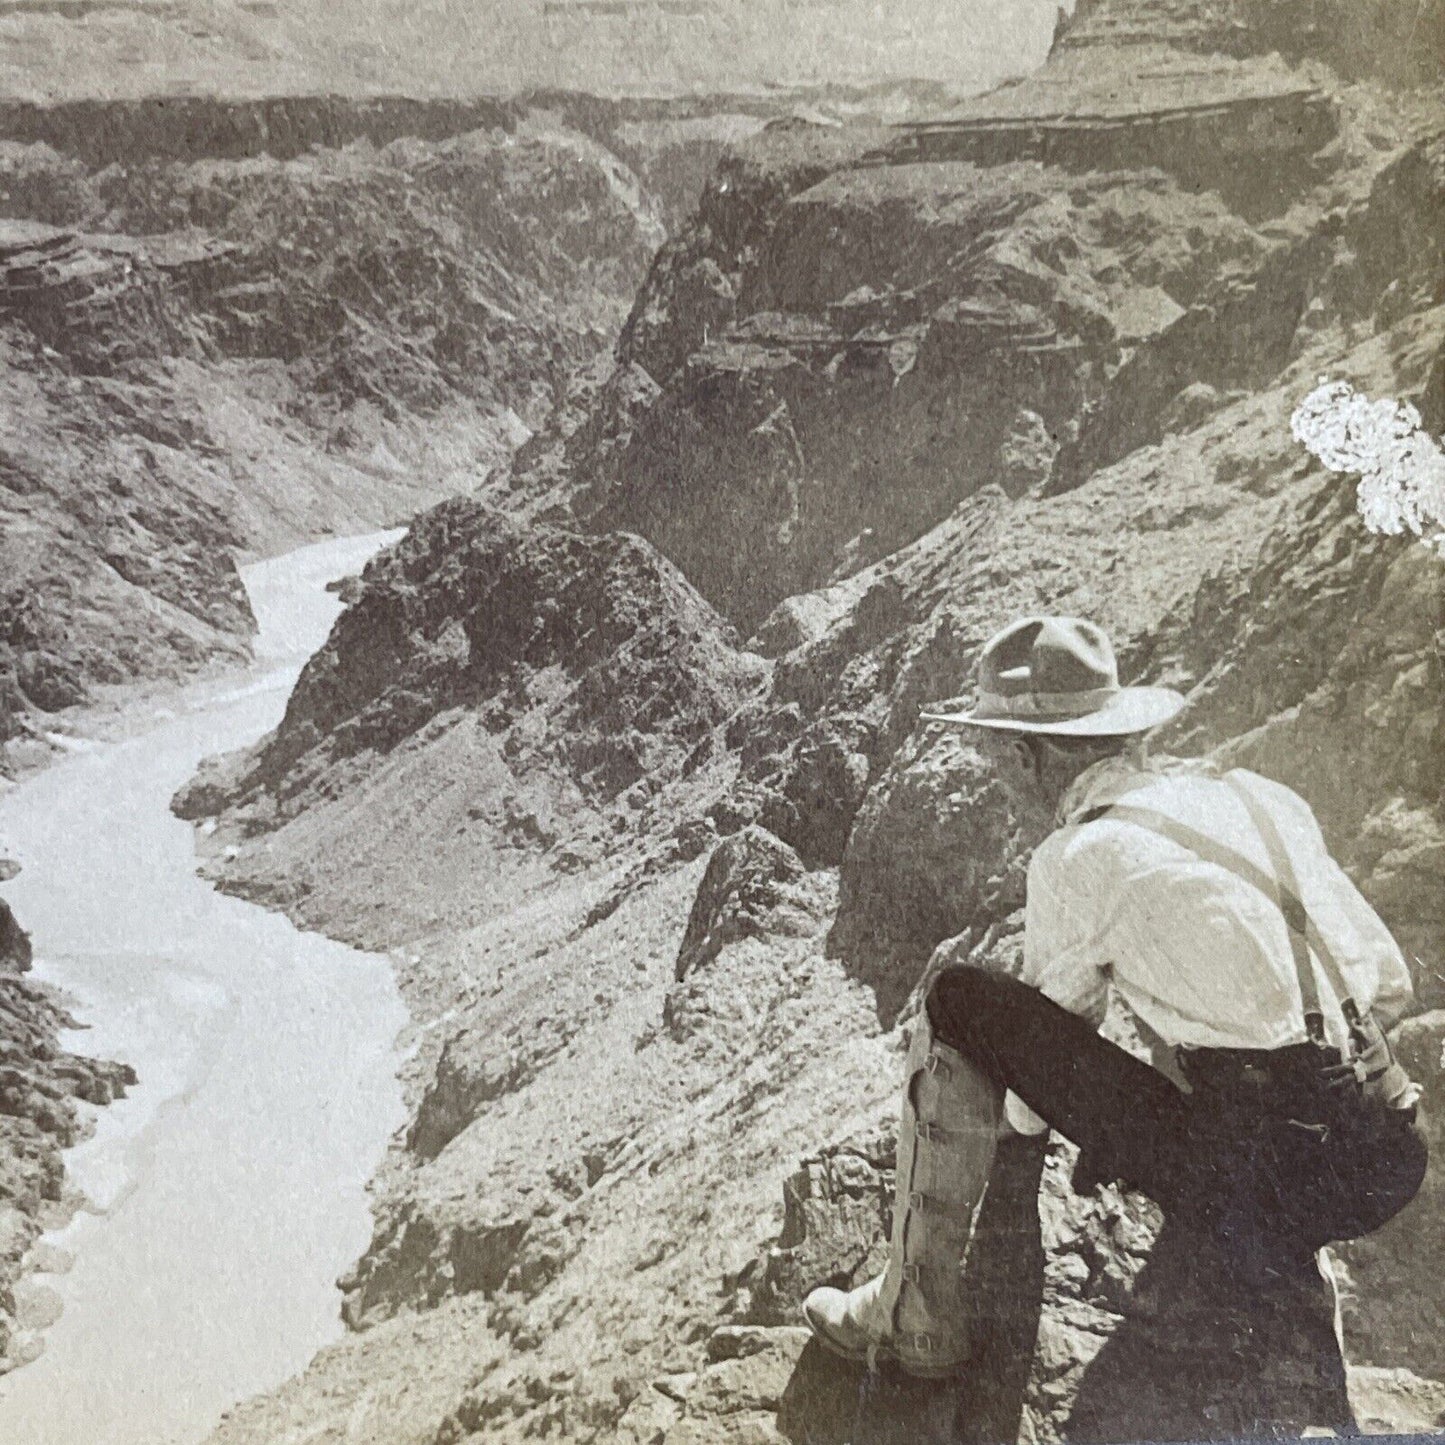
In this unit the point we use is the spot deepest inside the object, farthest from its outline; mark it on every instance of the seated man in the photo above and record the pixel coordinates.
(1275, 1118)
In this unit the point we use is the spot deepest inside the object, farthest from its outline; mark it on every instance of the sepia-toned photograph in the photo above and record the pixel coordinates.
(722, 722)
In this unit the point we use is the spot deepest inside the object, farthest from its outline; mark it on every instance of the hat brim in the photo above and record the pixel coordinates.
(1131, 710)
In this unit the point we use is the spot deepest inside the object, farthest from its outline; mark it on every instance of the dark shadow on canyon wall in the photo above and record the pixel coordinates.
(1200, 1356)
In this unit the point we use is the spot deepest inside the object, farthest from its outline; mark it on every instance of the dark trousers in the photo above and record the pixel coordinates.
(1273, 1169)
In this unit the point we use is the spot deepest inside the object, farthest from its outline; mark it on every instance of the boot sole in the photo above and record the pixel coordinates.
(881, 1353)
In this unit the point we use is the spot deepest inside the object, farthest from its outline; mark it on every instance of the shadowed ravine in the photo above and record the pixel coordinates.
(228, 1188)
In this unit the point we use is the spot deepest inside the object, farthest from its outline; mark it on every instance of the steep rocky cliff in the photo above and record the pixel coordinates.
(41, 1086)
(227, 328)
(550, 693)
(887, 388)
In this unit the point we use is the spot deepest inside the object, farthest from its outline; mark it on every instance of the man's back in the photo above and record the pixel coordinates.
(1201, 955)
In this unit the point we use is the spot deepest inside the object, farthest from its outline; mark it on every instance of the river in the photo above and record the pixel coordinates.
(227, 1191)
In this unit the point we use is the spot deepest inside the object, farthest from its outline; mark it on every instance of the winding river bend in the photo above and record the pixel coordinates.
(227, 1191)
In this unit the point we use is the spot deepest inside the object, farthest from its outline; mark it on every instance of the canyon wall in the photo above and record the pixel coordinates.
(662, 879)
(232, 327)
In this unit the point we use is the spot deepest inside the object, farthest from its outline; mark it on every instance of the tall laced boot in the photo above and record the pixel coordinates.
(914, 1312)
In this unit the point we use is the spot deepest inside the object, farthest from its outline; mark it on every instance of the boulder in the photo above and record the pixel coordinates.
(796, 622)
(837, 1206)
(1396, 1402)
(753, 885)
(750, 940)
(416, 1260)
(941, 846)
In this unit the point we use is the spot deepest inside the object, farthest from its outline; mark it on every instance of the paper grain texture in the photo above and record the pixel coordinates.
(487, 490)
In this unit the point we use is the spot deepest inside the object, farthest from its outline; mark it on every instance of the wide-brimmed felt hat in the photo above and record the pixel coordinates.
(1059, 675)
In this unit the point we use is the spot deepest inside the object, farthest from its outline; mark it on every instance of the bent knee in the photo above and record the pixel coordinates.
(958, 994)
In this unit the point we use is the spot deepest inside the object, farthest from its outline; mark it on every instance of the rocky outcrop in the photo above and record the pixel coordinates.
(583, 668)
(42, 1087)
(416, 1260)
(1130, 1332)
(472, 608)
(471, 1073)
(755, 888)
(749, 878)
(15, 952)
(836, 1205)
(940, 847)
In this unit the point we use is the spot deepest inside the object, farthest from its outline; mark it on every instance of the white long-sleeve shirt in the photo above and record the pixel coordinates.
(1200, 956)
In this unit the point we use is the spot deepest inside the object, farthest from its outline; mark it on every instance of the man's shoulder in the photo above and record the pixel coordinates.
(1091, 835)
(1196, 794)
(1279, 797)
(1200, 795)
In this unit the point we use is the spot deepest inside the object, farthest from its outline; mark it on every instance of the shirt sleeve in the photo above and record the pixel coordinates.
(1064, 954)
(1394, 992)
(1396, 996)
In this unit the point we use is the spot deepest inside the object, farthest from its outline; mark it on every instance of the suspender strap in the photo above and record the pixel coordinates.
(1286, 895)
(1281, 889)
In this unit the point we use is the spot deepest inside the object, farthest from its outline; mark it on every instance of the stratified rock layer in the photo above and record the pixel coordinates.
(227, 328)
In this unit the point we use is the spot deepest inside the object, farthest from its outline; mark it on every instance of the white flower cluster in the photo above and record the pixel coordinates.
(1400, 465)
